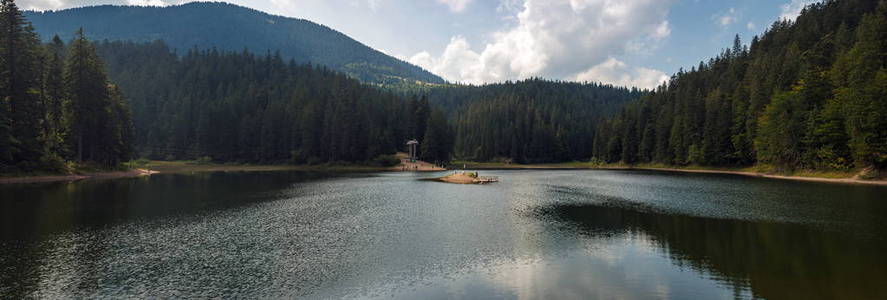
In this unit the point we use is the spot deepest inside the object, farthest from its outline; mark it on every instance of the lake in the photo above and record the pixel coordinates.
(567, 234)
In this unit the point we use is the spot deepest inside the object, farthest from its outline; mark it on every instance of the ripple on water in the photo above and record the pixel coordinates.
(536, 233)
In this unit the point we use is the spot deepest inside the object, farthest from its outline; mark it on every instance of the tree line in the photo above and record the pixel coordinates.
(56, 102)
(238, 106)
(807, 94)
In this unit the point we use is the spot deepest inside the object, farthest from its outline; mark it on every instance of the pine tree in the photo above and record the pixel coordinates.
(53, 95)
(19, 89)
(86, 110)
(437, 143)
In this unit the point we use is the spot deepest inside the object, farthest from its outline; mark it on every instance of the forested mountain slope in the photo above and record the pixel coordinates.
(228, 27)
(809, 94)
(234, 106)
(242, 107)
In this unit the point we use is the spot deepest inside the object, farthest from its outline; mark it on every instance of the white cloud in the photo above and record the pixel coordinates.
(457, 62)
(556, 39)
(373, 4)
(455, 5)
(751, 25)
(42, 4)
(147, 2)
(727, 18)
(793, 9)
(617, 73)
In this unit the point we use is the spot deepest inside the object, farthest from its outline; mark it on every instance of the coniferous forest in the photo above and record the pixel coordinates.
(530, 121)
(228, 106)
(809, 94)
(57, 102)
(806, 94)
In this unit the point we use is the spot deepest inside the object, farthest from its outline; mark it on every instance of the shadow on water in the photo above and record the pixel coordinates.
(773, 260)
(35, 218)
(29, 211)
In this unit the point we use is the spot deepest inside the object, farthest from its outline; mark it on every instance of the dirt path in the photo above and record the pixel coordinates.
(418, 166)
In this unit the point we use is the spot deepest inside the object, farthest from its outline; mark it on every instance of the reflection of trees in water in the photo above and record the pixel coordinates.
(44, 226)
(774, 260)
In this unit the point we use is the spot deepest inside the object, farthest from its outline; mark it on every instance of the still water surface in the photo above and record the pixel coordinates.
(536, 234)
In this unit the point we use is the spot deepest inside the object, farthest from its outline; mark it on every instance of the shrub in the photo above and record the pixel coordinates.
(385, 161)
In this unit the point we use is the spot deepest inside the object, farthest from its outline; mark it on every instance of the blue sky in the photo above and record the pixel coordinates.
(623, 42)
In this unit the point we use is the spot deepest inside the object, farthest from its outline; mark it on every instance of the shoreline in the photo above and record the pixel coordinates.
(850, 180)
(163, 167)
(77, 177)
(185, 167)
(585, 166)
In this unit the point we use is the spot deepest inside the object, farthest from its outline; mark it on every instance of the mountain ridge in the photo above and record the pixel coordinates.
(206, 25)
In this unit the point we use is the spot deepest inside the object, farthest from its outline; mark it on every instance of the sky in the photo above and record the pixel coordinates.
(637, 43)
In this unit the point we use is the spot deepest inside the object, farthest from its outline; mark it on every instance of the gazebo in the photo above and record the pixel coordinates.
(413, 144)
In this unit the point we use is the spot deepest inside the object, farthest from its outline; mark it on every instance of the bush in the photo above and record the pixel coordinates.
(385, 161)
(139, 163)
(314, 160)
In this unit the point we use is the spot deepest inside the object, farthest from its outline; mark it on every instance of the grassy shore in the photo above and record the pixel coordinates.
(194, 166)
(145, 167)
(857, 176)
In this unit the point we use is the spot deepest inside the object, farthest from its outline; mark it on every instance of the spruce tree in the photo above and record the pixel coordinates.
(86, 109)
(19, 85)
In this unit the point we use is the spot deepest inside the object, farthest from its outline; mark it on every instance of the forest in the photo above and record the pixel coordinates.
(237, 106)
(56, 102)
(529, 121)
(808, 94)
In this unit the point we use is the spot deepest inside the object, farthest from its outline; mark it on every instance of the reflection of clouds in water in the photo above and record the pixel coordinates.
(623, 267)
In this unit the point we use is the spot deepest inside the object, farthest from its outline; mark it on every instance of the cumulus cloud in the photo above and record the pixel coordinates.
(793, 9)
(618, 73)
(41, 4)
(558, 39)
(455, 5)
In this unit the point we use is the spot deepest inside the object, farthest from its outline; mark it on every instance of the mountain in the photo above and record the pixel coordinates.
(229, 27)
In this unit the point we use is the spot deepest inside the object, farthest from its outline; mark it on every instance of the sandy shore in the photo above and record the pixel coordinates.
(763, 175)
(418, 166)
(585, 166)
(464, 178)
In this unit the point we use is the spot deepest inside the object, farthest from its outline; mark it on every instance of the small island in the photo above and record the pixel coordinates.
(466, 178)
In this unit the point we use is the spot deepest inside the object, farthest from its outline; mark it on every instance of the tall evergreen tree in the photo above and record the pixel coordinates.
(86, 110)
(19, 86)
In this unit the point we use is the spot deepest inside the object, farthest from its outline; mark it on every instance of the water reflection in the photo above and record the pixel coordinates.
(537, 234)
(773, 260)
(32, 211)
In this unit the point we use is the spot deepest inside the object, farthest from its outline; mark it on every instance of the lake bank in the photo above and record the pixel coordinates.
(181, 167)
(813, 176)
(77, 177)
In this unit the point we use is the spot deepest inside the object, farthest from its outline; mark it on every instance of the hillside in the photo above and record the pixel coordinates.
(808, 94)
(230, 27)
